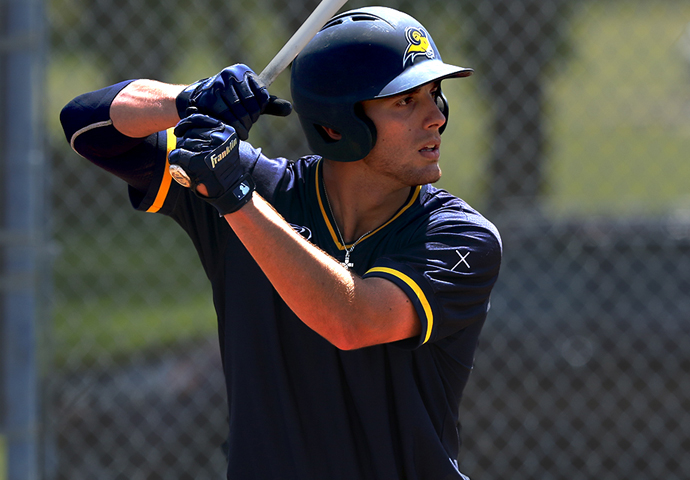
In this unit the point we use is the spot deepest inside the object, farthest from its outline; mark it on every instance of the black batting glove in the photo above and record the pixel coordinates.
(208, 153)
(236, 96)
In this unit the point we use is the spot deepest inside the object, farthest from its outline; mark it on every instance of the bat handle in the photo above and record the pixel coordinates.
(318, 18)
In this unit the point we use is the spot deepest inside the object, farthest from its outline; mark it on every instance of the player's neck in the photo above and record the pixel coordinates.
(360, 203)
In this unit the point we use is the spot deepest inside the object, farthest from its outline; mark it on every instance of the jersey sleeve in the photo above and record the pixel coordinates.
(448, 271)
(90, 132)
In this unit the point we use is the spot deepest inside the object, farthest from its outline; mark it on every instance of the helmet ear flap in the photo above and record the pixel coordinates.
(359, 113)
(442, 104)
(358, 136)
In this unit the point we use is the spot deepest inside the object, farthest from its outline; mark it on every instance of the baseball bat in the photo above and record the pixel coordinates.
(318, 18)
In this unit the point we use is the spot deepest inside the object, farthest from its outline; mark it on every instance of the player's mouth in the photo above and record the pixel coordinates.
(431, 150)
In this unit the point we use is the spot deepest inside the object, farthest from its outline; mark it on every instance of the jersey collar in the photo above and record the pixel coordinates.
(321, 197)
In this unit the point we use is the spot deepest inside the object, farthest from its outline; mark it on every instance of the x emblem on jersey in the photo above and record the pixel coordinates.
(462, 260)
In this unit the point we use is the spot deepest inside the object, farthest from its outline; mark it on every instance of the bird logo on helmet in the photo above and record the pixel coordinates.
(362, 54)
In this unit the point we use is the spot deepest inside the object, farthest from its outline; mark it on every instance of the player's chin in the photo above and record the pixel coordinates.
(429, 174)
(434, 169)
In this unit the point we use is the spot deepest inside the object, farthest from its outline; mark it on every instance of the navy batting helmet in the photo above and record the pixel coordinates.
(362, 54)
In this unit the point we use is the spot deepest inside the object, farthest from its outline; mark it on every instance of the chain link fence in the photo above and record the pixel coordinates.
(573, 136)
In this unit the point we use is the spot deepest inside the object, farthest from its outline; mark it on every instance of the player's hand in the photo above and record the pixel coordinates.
(235, 96)
(207, 155)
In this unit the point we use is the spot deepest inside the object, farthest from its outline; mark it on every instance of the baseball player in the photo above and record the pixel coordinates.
(350, 293)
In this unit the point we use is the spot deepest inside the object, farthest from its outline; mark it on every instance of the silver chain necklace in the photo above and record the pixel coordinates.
(348, 251)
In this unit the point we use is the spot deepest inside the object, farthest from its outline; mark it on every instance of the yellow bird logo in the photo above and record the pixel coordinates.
(417, 44)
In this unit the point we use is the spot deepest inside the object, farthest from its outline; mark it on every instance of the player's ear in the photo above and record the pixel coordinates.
(333, 135)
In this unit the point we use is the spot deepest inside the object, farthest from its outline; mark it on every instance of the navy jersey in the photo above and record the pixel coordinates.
(299, 408)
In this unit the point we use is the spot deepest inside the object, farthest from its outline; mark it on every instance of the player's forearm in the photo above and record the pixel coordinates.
(347, 310)
(144, 107)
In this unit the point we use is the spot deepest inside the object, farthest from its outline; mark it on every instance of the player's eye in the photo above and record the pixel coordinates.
(406, 100)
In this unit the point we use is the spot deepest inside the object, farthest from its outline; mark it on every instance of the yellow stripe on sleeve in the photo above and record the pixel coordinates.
(165, 182)
(418, 291)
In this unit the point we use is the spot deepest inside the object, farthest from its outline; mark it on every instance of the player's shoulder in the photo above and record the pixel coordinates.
(304, 170)
(307, 165)
(449, 213)
(274, 175)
